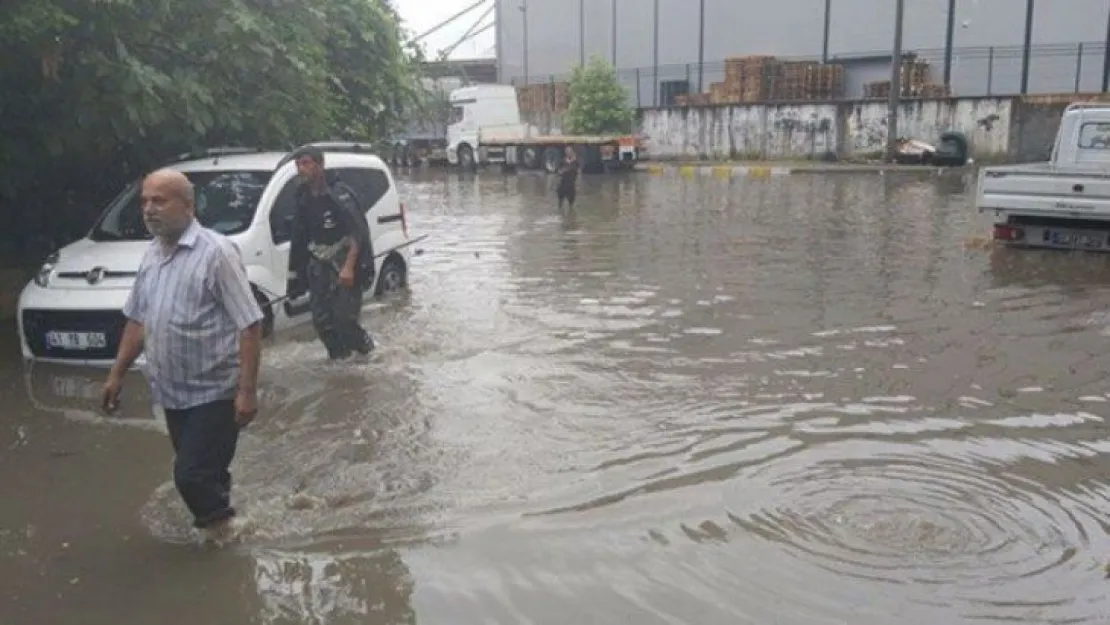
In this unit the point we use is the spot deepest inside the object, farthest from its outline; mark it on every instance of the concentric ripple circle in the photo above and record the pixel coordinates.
(963, 534)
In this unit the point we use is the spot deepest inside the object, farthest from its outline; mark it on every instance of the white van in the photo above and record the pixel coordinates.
(71, 311)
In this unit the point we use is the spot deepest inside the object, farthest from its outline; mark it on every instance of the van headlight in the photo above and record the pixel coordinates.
(42, 278)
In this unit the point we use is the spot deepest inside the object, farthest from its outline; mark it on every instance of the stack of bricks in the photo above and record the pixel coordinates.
(543, 97)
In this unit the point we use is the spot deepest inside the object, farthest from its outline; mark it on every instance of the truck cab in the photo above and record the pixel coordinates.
(478, 110)
(1063, 203)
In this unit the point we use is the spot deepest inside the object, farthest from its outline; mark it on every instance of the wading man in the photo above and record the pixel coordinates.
(192, 312)
(568, 177)
(330, 256)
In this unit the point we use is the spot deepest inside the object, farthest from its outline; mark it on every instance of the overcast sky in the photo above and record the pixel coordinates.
(421, 15)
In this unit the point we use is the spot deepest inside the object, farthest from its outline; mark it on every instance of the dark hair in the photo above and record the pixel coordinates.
(314, 153)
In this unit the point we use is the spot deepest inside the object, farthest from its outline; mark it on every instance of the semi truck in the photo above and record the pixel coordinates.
(486, 128)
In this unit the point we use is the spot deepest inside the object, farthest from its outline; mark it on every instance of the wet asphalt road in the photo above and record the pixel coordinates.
(801, 400)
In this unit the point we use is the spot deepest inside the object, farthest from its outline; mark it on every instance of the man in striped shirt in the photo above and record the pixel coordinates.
(193, 313)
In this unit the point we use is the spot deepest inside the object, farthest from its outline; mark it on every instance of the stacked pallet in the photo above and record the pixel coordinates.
(914, 78)
(824, 82)
(762, 78)
(698, 99)
(748, 78)
(542, 98)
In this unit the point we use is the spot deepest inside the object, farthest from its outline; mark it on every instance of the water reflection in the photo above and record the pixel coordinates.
(317, 588)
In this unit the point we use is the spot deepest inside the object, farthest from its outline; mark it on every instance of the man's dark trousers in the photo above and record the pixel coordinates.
(335, 311)
(204, 439)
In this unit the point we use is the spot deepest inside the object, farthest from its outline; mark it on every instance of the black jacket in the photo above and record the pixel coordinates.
(310, 225)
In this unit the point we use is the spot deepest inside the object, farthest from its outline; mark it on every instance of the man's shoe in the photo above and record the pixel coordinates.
(366, 347)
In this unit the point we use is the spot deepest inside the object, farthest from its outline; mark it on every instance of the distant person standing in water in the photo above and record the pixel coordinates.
(192, 311)
(568, 177)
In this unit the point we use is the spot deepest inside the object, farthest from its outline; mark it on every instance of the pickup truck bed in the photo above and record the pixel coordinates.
(1040, 205)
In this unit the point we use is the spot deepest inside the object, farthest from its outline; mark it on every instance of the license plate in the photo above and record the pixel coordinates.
(1075, 239)
(77, 340)
(74, 388)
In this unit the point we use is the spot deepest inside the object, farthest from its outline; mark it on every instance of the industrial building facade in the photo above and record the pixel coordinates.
(543, 40)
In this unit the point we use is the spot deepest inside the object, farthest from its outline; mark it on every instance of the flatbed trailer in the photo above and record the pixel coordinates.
(595, 152)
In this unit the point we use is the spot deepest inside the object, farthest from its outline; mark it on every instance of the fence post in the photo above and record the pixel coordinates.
(990, 71)
(1079, 69)
(639, 95)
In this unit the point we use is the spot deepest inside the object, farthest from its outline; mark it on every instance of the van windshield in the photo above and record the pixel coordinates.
(225, 202)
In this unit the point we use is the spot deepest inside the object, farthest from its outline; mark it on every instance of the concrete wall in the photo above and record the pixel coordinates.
(819, 131)
(998, 129)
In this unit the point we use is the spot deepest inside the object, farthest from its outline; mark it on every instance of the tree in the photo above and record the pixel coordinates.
(598, 103)
(96, 92)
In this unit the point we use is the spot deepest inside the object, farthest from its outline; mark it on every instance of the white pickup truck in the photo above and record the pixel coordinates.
(1063, 203)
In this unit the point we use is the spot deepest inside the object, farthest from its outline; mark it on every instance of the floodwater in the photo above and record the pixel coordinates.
(796, 400)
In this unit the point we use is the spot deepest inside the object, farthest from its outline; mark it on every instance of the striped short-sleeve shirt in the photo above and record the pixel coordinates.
(193, 301)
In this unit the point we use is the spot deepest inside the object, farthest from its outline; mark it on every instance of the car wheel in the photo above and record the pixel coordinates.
(394, 276)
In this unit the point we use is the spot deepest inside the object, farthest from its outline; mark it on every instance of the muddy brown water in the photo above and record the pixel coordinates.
(691, 400)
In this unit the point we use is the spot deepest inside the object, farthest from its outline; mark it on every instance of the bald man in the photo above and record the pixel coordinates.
(192, 310)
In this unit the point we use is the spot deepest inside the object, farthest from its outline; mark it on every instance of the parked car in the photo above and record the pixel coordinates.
(1063, 203)
(71, 311)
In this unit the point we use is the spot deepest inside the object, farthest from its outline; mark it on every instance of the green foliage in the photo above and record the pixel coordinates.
(96, 91)
(598, 103)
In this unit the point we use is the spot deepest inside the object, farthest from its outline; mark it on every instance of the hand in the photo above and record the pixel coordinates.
(246, 407)
(109, 395)
(347, 277)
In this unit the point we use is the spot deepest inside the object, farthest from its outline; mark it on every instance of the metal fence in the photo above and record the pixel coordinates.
(975, 71)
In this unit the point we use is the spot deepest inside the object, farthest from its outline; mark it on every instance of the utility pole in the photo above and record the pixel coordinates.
(828, 23)
(614, 37)
(499, 43)
(1025, 53)
(524, 15)
(582, 32)
(948, 41)
(1106, 59)
(895, 82)
(701, 48)
(655, 56)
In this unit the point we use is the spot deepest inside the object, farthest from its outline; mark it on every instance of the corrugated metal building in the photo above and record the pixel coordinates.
(988, 40)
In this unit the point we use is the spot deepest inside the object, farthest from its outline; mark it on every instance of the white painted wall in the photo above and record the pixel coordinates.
(802, 131)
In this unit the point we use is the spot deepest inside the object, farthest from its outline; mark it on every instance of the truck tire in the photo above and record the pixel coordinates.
(952, 150)
(530, 157)
(552, 158)
(466, 158)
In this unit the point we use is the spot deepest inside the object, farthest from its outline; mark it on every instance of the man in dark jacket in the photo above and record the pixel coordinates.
(330, 256)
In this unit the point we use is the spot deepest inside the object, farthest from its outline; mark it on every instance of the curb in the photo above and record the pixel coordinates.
(766, 171)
